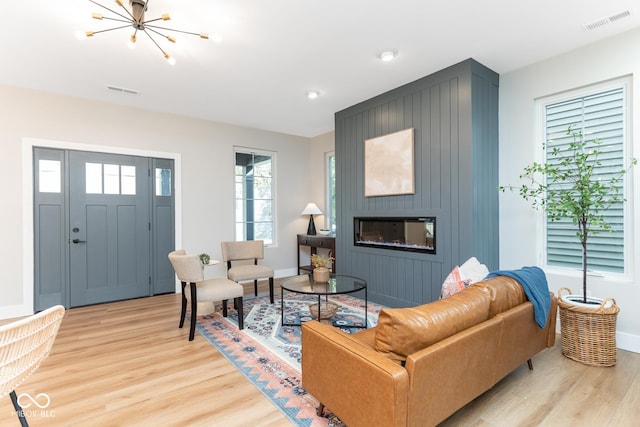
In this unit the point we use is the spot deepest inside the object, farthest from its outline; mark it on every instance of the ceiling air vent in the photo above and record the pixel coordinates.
(123, 90)
(619, 16)
(608, 20)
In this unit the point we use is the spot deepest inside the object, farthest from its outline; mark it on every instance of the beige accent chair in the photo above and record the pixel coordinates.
(24, 344)
(202, 293)
(235, 254)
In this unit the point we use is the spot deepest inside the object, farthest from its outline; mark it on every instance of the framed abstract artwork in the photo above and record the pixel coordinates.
(389, 164)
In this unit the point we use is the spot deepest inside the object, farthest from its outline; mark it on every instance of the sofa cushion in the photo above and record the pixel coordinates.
(504, 292)
(403, 331)
(366, 337)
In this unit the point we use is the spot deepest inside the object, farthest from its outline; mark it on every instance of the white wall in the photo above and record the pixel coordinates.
(519, 245)
(205, 150)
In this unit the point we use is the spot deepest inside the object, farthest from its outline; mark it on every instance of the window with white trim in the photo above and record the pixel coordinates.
(599, 113)
(254, 195)
(331, 191)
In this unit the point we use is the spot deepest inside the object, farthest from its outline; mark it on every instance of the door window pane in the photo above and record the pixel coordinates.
(93, 173)
(49, 176)
(163, 182)
(111, 179)
(128, 180)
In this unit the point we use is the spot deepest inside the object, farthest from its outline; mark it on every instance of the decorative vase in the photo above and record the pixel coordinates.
(588, 331)
(321, 274)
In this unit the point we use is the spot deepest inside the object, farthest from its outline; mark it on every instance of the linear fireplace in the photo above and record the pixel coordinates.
(415, 234)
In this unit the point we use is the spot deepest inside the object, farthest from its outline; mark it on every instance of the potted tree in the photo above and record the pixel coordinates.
(568, 187)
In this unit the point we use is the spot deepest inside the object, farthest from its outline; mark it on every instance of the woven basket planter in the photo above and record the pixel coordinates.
(326, 312)
(588, 335)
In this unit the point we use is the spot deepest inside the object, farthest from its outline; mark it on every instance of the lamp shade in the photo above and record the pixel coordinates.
(311, 209)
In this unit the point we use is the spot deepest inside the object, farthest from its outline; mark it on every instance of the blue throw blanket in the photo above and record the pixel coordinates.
(535, 285)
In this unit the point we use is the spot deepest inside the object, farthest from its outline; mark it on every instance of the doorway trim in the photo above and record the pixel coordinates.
(27, 204)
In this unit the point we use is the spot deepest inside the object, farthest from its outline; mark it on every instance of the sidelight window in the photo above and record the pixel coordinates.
(163, 182)
(50, 176)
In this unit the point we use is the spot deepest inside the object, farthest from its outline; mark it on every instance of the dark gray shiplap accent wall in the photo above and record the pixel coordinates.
(455, 116)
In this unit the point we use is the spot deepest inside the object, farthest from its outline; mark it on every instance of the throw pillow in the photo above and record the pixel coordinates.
(453, 284)
(473, 271)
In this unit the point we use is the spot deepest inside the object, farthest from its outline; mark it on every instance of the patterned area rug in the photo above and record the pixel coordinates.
(269, 355)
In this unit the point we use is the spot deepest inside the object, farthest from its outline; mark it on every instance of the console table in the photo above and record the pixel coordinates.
(315, 242)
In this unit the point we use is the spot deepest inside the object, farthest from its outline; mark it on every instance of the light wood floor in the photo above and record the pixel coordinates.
(127, 364)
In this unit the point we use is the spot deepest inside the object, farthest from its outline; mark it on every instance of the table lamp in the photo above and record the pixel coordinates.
(311, 210)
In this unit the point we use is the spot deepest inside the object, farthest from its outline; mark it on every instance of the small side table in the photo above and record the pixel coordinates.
(315, 242)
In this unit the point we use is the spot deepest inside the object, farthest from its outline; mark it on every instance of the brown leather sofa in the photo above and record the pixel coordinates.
(419, 365)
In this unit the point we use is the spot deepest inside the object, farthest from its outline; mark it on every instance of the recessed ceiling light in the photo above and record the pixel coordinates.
(388, 55)
(313, 94)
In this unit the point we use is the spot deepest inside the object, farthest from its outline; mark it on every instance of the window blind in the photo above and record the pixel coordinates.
(600, 116)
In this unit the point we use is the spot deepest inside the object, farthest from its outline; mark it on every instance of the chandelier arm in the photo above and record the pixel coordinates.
(115, 12)
(153, 20)
(147, 28)
(171, 29)
(111, 29)
(116, 19)
(166, 55)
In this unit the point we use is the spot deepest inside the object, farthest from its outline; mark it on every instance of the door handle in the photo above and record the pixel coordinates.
(78, 241)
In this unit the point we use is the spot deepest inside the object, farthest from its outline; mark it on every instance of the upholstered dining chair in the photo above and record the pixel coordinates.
(202, 293)
(24, 344)
(237, 255)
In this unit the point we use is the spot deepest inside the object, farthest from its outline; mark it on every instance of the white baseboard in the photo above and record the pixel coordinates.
(13, 311)
(285, 273)
(629, 342)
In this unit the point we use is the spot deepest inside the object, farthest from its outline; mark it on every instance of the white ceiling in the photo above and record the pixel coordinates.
(273, 51)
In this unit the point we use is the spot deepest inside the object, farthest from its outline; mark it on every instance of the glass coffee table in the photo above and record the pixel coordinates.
(323, 311)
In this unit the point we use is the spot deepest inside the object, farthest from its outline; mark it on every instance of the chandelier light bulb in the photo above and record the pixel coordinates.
(131, 44)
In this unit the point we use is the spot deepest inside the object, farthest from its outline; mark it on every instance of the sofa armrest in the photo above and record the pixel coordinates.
(351, 379)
